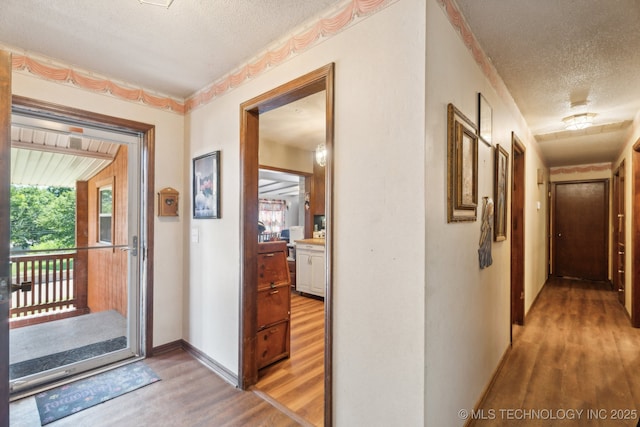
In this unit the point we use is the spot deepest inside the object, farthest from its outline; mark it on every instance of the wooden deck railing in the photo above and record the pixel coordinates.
(52, 284)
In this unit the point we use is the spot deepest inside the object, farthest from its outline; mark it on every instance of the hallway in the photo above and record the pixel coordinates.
(575, 363)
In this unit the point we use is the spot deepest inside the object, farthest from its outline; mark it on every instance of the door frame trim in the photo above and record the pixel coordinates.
(148, 160)
(517, 147)
(618, 201)
(308, 84)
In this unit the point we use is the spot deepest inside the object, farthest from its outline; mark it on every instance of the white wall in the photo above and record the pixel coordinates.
(167, 323)
(468, 309)
(379, 217)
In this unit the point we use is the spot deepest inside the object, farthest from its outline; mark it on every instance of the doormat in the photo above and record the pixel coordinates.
(51, 361)
(74, 397)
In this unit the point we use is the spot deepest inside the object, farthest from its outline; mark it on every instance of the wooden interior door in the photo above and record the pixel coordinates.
(5, 268)
(619, 249)
(580, 219)
(517, 231)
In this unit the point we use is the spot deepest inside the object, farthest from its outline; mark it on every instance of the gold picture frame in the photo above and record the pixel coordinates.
(501, 193)
(462, 167)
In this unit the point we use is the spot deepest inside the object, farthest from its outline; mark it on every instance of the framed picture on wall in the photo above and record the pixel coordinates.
(462, 167)
(206, 186)
(485, 120)
(502, 175)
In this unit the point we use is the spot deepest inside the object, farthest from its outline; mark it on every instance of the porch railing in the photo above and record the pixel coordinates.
(52, 284)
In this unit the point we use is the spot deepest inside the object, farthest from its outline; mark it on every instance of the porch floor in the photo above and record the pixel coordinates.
(31, 342)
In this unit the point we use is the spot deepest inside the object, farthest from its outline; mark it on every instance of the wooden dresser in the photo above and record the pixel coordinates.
(274, 303)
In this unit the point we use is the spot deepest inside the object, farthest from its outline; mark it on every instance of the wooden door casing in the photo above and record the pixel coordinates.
(580, 229)
(517, 231)
(619, 248)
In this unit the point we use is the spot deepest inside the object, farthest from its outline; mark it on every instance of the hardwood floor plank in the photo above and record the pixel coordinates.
(298, 382)
(189, 394)
(577, 351)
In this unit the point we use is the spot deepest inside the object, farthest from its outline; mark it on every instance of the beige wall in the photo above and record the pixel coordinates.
(379, 217)
(468, 309)
(285, 157)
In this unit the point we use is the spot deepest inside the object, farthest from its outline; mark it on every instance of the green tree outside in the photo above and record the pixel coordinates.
(43, 217)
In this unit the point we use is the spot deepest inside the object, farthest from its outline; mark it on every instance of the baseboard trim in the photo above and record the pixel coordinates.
(223, 372)
(165, 348)
(488, 387)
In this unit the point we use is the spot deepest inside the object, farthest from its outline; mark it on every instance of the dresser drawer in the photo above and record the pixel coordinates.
(273, 344)
(272, 269)
(273, 305)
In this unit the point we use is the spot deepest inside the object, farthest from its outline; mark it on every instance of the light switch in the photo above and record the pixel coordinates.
(195, 235)
(538, 205)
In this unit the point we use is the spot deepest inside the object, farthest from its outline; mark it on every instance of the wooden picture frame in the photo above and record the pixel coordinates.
(501, 193)
(206, 186)
(462, 167)
(485, 120)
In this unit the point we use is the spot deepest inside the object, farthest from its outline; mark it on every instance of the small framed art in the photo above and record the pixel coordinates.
(206, 186)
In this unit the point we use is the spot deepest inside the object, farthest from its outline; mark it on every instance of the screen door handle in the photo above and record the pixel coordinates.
(133, 248)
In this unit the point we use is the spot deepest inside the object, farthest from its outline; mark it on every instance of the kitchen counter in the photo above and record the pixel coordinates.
(311, 242)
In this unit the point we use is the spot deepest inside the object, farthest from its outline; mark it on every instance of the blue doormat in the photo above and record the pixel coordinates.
(74, 397)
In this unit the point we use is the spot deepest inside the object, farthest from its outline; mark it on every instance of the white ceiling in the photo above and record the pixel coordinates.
(301, 123)
(174, 51)
(549, 53)
(276, 184)
(552, 53)
(49, 153)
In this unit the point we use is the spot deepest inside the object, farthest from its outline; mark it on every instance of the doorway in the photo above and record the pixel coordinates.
(108, 270)
(517, 232)
(619, 239)
(309, 84)
(580, 218)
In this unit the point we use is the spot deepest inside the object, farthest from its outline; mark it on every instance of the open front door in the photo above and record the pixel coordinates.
(5, 270)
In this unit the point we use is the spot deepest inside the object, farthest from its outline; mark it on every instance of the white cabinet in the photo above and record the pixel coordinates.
(310, 269)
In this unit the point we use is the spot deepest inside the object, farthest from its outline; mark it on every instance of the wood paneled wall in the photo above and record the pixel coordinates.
(107, 268)
(82, 234)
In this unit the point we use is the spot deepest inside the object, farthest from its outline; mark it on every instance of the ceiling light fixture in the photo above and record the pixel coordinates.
(321, 154)
(163, 3)
(579, 121)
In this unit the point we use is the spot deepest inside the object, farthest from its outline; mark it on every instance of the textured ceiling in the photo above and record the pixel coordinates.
(552, 54)
(549, 53)
(174, 51)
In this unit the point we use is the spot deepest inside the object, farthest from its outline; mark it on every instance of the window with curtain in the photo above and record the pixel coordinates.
(272, 213)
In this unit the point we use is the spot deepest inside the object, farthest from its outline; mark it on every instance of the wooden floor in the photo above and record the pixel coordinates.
(190, 394)
(576, 359)
(298, 382)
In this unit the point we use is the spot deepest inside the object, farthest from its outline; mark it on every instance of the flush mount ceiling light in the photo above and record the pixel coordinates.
(163, 3)
(578, 121)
